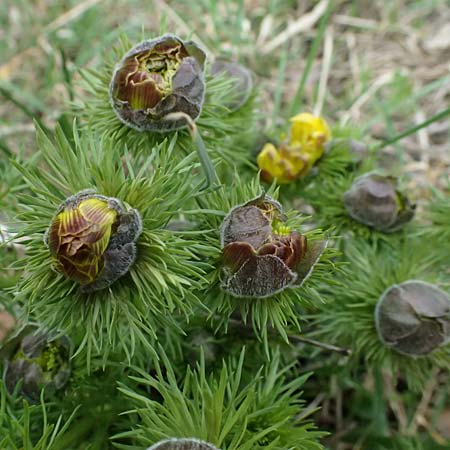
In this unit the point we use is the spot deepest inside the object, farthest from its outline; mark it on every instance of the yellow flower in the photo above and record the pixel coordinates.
(309, 134)
(295, 158)
(283, 164)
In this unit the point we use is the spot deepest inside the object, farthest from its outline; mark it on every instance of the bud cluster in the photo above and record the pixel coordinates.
(35, 360)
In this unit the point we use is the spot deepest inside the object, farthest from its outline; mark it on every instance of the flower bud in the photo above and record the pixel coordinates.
(92, 239)
(182, 444)
(374, 200)
(261, 255)
(241, 79)
(37, 361)
(413, 318)
(158, 77)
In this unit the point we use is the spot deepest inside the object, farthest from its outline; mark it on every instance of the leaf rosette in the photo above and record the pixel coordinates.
(264, 267)
(120, 275)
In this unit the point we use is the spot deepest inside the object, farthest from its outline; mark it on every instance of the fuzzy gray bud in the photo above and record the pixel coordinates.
(241, 79)
(413, 317)
(374, 200)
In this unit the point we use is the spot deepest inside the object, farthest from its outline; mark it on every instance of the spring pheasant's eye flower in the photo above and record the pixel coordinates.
(261, 255)
(37, 361)
(156, 78)
(182, 444)
(375, 201)
(295, 157)
(241, 79)
(283, 164)
(413, 318)
(92, 239)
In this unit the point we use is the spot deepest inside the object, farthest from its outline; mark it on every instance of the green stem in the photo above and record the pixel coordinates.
(412, 130)
(20, 103)
(5, 149)
(205, 160)
(379, 404)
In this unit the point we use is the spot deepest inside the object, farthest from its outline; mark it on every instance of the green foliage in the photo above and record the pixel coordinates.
(347, 318)
(225, 410)
(171, 298)
(26, 427)
(160, 281)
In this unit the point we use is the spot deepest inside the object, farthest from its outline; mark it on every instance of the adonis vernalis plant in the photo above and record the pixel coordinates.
(172, 276)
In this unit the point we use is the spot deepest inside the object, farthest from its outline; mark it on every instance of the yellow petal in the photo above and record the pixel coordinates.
(308, 128)
(97, 211)
(268, 156)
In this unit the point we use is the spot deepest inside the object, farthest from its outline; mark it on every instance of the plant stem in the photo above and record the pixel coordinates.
(205, 160)
(412, 130)
(324, 345)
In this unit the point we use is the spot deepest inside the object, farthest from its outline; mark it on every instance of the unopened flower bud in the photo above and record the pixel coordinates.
(374, 200)
(413, 318)
(92, 239)
(261, 255)
(241, 78)
(158, 77)
(182, 444)
(37, 362)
